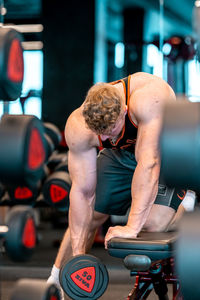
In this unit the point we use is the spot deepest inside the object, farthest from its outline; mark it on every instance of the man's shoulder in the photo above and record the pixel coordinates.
(149, 85)
(149, 92)
(76, 132)
(140, 79)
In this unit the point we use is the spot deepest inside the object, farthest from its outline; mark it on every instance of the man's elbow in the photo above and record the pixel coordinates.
(150, 164)
(82, 194)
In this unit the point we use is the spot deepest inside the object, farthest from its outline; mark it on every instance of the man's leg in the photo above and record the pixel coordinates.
(186, 205)
(159, 218)
(168, 209)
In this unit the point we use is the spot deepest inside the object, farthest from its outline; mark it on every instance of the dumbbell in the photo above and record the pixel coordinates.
(11, 64)
(22, 151)
(187, 255)
(57, 158)
(26, 194)
(52, 137)
(179, 145)
(84, 277)
(23, 194)
(19, 233)
(34, 289)
(56, 188)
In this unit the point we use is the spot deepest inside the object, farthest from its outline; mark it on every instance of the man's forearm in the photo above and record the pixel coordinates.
(144, 191)
(80, 217)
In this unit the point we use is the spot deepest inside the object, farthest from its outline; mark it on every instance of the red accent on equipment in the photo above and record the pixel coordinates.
(36, 152)
(53, 298)
(57, 193)
(29, 234)
(84, 278)
(15, 62)
(23, 192)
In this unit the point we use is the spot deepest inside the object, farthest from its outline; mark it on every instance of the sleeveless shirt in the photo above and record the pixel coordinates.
(128, 136)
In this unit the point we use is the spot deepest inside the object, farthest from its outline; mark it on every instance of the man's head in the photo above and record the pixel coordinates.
(102, 108)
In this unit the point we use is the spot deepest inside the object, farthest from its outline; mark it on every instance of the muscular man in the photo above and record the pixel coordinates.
(125, 118)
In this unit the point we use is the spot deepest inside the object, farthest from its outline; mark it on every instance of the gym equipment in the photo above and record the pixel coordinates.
(56, 190)
(11, 64)
(180, 145)
(52, 137)
(19, 233)
(34, 289)
(84, 277)
(150, 259)
(63, 166)
(187, 255)
(23, 194)
(2, 190)
(57, 158)
(22, 151)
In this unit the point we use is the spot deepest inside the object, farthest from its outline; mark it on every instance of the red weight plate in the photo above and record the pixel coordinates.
(29, 234)
(36, 152)
(23, 193)
(84, 278)
(15, 68)
(57, 193)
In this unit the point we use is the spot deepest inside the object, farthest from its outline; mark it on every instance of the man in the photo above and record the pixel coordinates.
(125, 118)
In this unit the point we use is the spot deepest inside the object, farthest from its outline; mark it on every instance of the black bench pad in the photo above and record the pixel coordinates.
(155, 245)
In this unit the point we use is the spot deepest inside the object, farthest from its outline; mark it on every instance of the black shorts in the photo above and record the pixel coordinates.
(115, 170)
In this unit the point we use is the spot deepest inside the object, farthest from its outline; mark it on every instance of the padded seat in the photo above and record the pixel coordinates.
(155, 245)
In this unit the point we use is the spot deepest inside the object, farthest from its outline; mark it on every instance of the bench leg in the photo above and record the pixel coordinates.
(159, 283)
(141, 290)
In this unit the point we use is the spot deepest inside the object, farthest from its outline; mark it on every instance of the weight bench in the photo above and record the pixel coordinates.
(150, 259)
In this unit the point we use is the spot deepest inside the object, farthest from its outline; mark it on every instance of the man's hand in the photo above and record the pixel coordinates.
(120, 232)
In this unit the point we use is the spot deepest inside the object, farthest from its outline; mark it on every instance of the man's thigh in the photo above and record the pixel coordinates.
(164, 207)
(115, 170)
(170, 197)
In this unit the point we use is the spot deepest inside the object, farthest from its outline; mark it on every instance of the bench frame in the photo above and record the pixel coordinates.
(157, 277)
(150, 259)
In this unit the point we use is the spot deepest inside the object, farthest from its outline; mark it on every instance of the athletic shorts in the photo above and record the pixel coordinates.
(115, 169)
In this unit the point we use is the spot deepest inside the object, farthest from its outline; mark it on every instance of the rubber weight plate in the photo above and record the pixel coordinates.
(56, 190)
(21, 237)
(22, 151)
(11, 64)
(54, 133)
(34, 289)
(180, 146)
(84, 277)
(23, 194)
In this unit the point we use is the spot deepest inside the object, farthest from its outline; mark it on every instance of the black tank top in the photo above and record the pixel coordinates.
(128, 136)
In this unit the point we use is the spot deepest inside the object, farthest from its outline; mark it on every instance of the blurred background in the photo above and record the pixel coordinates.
(70, 45)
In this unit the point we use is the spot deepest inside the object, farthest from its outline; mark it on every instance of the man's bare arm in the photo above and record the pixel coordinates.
(145, 180)
(148, 105)
(82, 196)
(82, 168)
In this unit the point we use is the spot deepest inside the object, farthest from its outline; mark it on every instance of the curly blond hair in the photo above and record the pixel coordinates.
(102, 107)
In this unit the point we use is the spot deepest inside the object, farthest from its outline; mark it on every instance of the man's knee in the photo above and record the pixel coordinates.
(159, 218)
(154, 225)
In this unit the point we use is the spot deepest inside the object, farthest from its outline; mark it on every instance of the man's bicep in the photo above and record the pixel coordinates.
(82, 168)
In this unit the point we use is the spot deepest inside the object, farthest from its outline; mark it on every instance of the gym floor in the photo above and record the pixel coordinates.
(120, 282)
